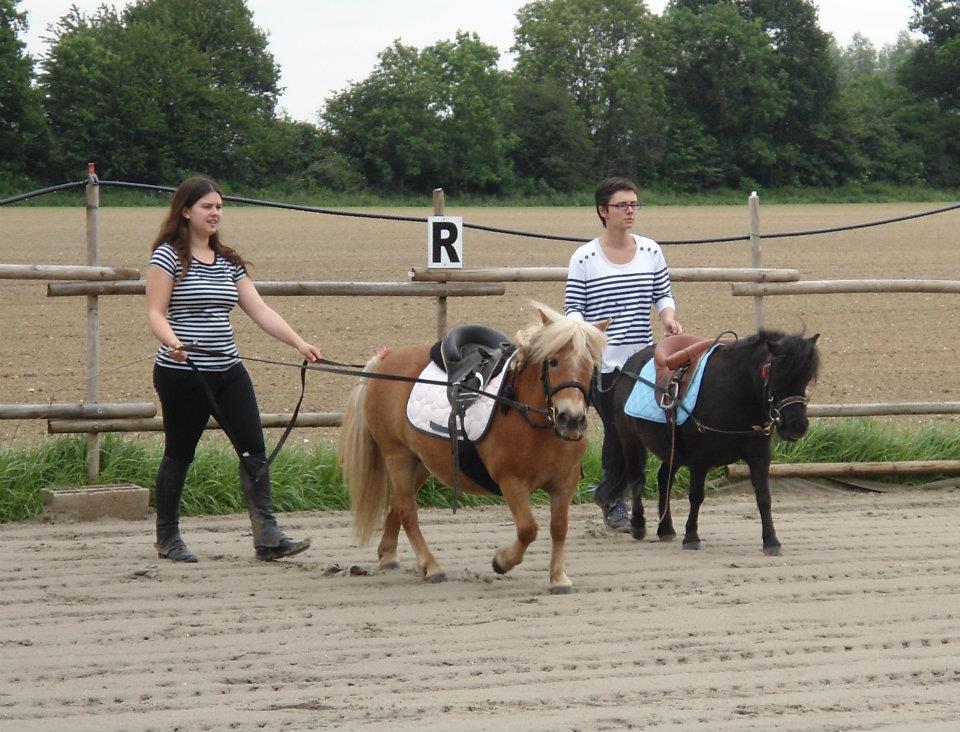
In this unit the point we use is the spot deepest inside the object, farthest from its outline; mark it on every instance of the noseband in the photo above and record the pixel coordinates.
(548, 393)
(774, 406)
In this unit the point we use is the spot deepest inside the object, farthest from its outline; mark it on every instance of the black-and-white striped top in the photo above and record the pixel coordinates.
(598, 289)
(200, 306)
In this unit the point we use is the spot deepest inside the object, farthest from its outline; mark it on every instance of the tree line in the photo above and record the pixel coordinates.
(711, 93)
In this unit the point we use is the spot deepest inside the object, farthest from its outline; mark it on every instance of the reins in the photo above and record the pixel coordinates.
(335, 367)
(356, 370)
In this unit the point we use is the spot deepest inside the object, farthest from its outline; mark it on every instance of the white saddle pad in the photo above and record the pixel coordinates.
(429, 411)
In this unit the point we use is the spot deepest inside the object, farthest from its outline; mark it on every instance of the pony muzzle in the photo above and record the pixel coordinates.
(569, 423)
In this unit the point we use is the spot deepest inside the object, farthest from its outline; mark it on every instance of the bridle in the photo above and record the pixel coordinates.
(549, 391)
(774, 405)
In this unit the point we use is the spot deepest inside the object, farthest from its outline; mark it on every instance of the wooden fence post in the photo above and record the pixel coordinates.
(754, 208)
(93, 318)
(438, 205)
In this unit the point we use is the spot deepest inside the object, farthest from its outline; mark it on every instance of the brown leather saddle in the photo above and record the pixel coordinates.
(675, 358)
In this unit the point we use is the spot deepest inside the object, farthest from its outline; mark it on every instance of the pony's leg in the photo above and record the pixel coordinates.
(635, 464)
(510, 555)
(560, 583)
(665, 476)
(387, 551)
(691, 537)
(760, 476)
(405, 473)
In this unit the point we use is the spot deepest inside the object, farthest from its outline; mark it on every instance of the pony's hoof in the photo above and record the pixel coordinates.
(772, 551)
(390, 565)
(692, 545)
(638, 532)
(497, 568)
(562, 590)
(435, 579)
(668, 537)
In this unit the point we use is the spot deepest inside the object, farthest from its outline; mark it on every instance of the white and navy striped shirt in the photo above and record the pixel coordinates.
(598, 289)
(200, 306)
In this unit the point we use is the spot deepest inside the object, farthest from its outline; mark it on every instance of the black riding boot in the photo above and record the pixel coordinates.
(268, 540)
(170, 479)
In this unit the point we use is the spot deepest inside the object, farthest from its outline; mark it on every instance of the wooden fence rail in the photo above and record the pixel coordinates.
(838, 287)
(78, 410)
(879, 410)
(155, 424)
(319, 288)
(65, 272)
(131, 423)
(559, 274)
(852, 470)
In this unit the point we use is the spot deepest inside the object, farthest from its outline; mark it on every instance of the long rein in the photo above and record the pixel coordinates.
(335, 367)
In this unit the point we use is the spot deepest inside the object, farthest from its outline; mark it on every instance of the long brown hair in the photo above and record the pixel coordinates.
(175, 229)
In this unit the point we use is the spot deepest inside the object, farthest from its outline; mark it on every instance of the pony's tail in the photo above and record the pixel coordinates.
(364, 469)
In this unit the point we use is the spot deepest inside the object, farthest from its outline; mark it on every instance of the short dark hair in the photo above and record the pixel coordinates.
(606, 189)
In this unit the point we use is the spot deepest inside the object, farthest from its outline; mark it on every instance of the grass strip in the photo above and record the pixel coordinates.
(309, 479)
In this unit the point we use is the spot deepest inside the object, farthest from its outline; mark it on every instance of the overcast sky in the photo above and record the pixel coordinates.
(323, 45)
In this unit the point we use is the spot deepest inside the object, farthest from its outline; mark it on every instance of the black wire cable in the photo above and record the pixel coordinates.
(42, 192)
(478, 227)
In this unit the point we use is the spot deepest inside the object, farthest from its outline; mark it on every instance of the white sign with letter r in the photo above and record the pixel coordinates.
(445, 242)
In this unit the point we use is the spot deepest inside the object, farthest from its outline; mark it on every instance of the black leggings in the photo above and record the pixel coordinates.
(611, 455)
(186, 409)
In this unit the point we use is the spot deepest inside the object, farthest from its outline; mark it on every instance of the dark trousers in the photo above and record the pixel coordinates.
(612, 484)
(186, 409)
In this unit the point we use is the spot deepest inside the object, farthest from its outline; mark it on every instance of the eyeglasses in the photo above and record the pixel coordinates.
(625, 206)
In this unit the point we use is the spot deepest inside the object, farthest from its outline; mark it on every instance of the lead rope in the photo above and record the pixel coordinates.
(228, 430)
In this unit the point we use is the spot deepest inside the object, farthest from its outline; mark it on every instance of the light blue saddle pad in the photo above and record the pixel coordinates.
(643, 402)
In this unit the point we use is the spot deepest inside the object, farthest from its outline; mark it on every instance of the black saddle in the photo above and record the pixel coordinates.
(470, 355)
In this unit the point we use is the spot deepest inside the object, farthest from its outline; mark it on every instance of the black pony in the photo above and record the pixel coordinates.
(748, 388)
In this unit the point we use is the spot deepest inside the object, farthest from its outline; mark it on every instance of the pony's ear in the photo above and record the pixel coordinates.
(813, 338)
(603, 324)
(545, 317)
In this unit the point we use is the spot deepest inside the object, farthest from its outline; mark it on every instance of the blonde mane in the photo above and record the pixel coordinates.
(542, 340)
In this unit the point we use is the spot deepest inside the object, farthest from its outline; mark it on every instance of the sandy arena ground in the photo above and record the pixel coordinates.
(855, 627)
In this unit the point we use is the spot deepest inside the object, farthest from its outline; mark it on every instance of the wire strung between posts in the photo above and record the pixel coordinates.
(478, 227)
(42, 192)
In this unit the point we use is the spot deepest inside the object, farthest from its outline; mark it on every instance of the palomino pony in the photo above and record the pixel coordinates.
(748, 389)
(385, 460)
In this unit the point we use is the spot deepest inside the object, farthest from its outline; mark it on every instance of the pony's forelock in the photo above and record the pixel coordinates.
(540, 341)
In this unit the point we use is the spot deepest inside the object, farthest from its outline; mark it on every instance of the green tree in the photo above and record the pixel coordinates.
(166, 88)
(807, 132)
(553, 148)
(932, 68)
(931, 71)
(604, 53)
(427, 118)
(23, 132)
(893, 55)
(725, 92)
(858, 58)
(883, 126)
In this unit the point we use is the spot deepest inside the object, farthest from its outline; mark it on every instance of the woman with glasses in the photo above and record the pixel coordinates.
(618, 275)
